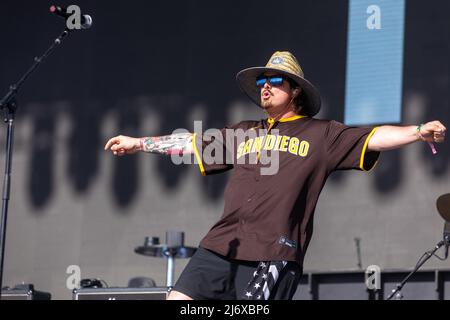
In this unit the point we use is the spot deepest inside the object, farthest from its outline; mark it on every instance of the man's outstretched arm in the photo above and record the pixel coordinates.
(179, 143)
(392, 137)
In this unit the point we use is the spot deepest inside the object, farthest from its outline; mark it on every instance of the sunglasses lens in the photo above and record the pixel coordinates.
(261, 82)
(276, 81)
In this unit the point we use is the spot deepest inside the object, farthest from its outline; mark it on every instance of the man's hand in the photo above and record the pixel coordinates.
(393, 137)
(433, 131)
(121, 145)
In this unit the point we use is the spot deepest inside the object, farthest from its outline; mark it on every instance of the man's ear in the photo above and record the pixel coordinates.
(296, 92)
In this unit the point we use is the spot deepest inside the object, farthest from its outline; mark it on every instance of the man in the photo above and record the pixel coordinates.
(256, 250)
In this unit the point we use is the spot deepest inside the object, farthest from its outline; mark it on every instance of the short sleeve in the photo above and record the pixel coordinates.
(214, 150)
(346, 147)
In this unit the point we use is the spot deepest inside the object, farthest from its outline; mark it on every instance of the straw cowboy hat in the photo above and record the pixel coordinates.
(284, 63)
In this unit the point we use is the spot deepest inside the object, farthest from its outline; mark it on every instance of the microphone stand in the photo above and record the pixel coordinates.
(428, 254)
(9, 104)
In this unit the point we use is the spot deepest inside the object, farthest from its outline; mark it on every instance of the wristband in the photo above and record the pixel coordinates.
(419, 127)
(433, 149)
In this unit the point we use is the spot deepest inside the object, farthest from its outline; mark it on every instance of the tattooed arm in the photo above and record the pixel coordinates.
(178, 143)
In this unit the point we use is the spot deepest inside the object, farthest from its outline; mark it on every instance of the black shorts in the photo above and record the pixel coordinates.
(209, 275)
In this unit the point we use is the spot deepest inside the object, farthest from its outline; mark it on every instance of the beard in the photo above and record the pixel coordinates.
(275, 109)
(267, 104)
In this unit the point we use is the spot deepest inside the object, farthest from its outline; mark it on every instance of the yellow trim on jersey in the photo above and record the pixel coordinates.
(197, 155)
(270, 120)
(291, 118)
(363, 153)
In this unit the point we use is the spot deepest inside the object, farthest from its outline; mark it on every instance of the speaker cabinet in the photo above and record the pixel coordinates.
(156, 293)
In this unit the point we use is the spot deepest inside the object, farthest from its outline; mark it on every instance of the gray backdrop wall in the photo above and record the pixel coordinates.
(147, 68)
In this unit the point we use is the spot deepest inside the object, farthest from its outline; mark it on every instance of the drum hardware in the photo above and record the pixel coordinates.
(173, 249)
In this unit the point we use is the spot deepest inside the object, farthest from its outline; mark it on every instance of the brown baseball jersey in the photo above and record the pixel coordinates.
(269, 217)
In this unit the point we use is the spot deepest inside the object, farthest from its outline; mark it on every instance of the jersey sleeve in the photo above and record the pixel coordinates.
(214, 150)
(346, 147)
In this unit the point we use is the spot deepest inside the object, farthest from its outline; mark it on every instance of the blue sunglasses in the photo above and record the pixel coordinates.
(274, 81)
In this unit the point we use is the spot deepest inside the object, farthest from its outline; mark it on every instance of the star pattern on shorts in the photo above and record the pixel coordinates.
(264, 278)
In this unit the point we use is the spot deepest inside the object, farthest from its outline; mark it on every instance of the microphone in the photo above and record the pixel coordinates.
(446, 237)
(443, 206)
(85, 20)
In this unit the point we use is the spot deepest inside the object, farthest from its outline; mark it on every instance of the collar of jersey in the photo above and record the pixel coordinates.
(271, 120)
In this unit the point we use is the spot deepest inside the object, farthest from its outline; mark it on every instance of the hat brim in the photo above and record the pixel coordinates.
(246, 80)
